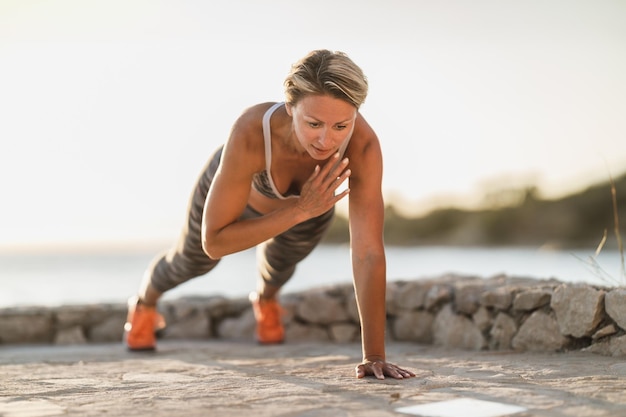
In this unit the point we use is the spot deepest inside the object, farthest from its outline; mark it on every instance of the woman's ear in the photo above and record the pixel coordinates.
(288, 109)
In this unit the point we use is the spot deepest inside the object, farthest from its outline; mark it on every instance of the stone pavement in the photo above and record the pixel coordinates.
(220, 378)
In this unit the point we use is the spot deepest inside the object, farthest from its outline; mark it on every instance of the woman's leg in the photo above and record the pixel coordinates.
(187, 259)
(183, 262)
(277, 257)
(277, 260)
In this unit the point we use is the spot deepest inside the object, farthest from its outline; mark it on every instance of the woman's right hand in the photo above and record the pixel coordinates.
(318, 193)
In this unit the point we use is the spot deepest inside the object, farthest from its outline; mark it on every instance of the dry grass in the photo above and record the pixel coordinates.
(618, 236)
(592, 261)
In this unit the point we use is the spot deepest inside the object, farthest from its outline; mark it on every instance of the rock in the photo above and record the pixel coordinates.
(71, 316)
(416, 326)
(220, 307)
(238, 328)
(579, 309)
(532, 299)
(86, 316)
(499, 298)
(187, 307)
(111, 329)
(437, 295)
(482, 318)
(411, 295)
(612, 346)
(467, 297)
(297, 332)
(194, 325)
(344, 332)
(70, 336)
(319, 308)
(540, 332)
(456, 331)
(26, 326)
(502, 332)
(390, 293)
(604, 332)
(615, 304)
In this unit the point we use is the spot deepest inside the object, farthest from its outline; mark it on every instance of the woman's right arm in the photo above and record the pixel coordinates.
(223, 232)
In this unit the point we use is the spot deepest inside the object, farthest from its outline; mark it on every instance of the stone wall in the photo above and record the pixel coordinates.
(500, 313)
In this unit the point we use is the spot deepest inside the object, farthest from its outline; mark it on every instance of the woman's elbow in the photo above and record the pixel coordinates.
(209, 247)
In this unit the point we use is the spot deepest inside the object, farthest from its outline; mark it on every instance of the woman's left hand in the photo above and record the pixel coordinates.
(380, 369)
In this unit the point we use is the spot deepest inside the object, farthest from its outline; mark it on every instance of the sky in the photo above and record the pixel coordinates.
(109, 109)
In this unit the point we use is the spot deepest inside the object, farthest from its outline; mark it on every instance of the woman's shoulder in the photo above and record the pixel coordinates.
(363, 136)
(249, 123)
(246, 136)
(256, 112)
(363, 127)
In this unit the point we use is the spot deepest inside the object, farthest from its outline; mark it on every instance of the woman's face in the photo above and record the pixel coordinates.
(321, 124)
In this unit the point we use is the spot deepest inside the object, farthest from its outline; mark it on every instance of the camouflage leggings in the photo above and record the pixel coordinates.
(276, 257)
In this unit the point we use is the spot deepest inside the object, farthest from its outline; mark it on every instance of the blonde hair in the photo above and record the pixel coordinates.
(323, 72)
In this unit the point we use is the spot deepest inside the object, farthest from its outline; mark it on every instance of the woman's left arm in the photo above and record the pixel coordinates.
(366, 216)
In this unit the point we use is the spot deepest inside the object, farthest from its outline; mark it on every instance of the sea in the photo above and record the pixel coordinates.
(83, 277)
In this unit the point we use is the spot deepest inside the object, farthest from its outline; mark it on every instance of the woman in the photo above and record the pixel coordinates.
(274, 185)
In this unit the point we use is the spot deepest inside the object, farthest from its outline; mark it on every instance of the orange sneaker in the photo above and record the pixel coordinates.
(142, 324)
(269, 326)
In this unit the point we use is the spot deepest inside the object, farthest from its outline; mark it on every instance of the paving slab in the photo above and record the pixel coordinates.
(220, 378)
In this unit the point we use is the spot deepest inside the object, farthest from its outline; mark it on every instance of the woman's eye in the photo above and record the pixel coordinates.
(314, 124)
(341, 127)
